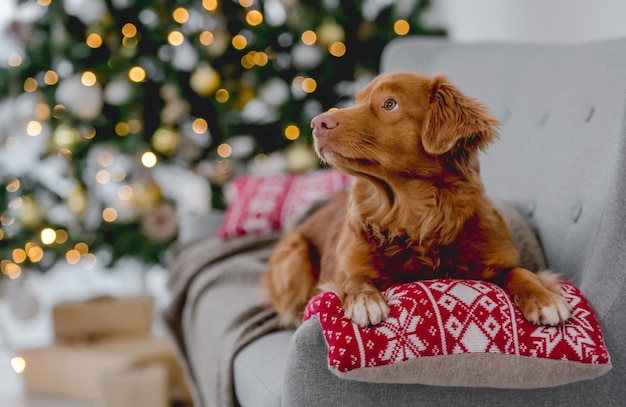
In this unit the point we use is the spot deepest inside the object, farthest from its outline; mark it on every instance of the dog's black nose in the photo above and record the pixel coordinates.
(322, 124)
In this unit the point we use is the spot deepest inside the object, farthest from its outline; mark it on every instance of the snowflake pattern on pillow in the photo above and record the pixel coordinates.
(448, 317)
(263, 204)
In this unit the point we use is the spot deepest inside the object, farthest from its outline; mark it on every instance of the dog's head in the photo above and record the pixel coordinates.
(404, 124)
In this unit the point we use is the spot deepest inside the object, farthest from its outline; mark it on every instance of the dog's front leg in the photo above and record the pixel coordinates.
(362, 302)
(538, 296)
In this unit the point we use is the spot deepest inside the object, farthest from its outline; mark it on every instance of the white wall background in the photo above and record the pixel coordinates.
(539, 21)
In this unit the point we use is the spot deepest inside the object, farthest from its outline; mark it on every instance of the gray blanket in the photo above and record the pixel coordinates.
(222, 276)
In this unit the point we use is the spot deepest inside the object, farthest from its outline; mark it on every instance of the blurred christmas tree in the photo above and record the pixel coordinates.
(119, 114)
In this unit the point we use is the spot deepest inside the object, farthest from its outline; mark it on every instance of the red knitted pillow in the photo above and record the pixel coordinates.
(263, 204)
(462, 333)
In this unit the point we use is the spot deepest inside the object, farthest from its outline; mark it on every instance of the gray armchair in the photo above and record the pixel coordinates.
(561, 162)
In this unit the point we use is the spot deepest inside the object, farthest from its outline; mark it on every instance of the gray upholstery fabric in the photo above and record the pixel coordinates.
(561, 161)
(309, 382)
(259, 370)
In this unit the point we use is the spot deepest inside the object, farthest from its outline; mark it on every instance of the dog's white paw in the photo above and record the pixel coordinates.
(366, 308)
(548, 309)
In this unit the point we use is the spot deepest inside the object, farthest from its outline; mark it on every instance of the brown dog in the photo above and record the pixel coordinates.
(417, 209)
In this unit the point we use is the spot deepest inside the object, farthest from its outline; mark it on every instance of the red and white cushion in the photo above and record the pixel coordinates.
(263, 204)
(462, 333)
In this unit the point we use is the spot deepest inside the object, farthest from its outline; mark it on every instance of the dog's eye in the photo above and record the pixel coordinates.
(390, 104)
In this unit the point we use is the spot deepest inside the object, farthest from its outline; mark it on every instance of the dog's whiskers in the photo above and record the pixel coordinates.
(370, 150)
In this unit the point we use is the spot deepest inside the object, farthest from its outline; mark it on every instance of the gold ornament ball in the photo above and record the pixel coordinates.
(218, 172)
(30, 215)
(221, 42)
(300, 158)
(204, 80)
(169, 92)
(246, 94)
(174, 111)
(77, 201)
(165, 140)
(330, 32)
(65, 136)
(146, 195)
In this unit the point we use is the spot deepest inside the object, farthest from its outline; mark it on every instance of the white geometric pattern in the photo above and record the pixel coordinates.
(474, 340)
(445, 316)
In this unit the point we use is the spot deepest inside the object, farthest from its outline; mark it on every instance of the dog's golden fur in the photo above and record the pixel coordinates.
(417, 209)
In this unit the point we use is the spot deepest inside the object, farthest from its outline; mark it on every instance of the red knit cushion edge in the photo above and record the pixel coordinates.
(446, 316)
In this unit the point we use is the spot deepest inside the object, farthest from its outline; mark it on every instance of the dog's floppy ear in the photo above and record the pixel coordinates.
(452, 117)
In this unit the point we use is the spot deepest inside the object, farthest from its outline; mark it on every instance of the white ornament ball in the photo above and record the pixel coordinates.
(149, 18)
(257, 111)
(87, 11)
(312, 108)
(23, 301)
(242, 146)
(84, 102)
(262, 165)
(306, 57)
(274, 92)
(185, 57)
(275, 13)
(117, 92)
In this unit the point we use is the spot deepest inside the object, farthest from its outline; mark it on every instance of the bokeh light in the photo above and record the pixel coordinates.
(401, 27)
(292, 132)
(224, 150)
(149, 159)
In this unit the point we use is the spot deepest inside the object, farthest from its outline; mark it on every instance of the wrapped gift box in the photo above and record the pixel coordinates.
(91, 371)
(102, 317)
(143, 386)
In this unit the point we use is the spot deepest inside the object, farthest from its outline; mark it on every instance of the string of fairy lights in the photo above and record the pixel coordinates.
(204, 80)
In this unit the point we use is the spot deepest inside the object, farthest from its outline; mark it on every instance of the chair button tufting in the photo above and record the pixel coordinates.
(506, 116)
(576, 211)
(530, 208)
